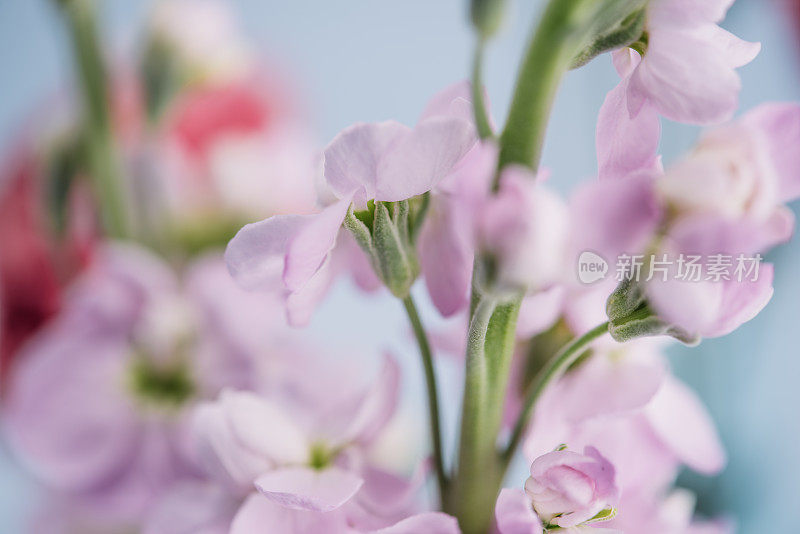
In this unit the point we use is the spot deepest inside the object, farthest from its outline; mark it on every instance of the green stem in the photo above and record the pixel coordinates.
(433, 396)
(102, 157)
(482, 122)
(489, 352)
(562, 30)
(554, 369)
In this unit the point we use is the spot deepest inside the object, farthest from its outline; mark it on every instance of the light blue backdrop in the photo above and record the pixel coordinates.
(378, 59)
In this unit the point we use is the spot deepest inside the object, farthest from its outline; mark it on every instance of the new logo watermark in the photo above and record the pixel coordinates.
(591, 267)
(684, 267)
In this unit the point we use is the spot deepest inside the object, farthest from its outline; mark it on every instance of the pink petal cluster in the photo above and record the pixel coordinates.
(79, 412)
(647, 423)
(727, 196)
(384, 161)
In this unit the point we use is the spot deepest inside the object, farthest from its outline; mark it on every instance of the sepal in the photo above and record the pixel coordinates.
(631, 317)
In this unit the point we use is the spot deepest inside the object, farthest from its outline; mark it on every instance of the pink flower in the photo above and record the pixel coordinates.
(742, 174)
(687, 70)
(683, 68)
(97, 409)
(626, 391)
(35, 264)
(299, 454)
(384, 161)
(567, 488)
(525, 227)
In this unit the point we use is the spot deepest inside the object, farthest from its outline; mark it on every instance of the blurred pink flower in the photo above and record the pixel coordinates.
(260, 516)
(525, 227)
(35, 263)
(97, 408)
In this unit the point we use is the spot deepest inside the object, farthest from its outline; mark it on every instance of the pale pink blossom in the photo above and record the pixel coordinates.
(687, 72)
(567, 488)
(384, 161)
(94, 373)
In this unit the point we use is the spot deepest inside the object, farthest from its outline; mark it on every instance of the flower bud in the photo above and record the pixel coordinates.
(487, 15)
(630, 317)
(567, 489)
(384, 233)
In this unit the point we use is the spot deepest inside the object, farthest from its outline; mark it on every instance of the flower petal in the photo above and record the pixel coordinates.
(309, 247)
(446, 254)
(264, 428)
(626, 142)
(353, 158)
(514, 513)
(302, 488)
(378, 405)
(421, 159)
(779, 123)
(259, 516)
(256, 255)
(681, 421)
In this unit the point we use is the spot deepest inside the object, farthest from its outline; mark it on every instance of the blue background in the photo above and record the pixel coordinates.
(364, 60)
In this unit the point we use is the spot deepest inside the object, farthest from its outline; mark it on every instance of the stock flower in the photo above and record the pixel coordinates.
(524, 227)
(684, 65)
(304, 447)
(567, 488)
(646, 422)
(741, 173)
(301, 449)
(97, 409)
(384, 161)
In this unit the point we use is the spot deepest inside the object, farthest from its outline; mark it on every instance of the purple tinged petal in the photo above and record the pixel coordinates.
(614, 216)
(681, 421)
(539, 311)
(609, 383)
(353, 159)
(220, 454)
(309, 247)
(192, 507)
(378, 405)
(446, 254)
(263, 428)
(514, 513)
(300, 304)
(779, 124)
(256, 255)
(422, 158)
(429, 523)
(686, 77)
(687, 12)
(260, 516)
(742, 301)
(302, 488)
(626, 142)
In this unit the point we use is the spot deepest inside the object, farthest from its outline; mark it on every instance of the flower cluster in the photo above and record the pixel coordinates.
(154, 383)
